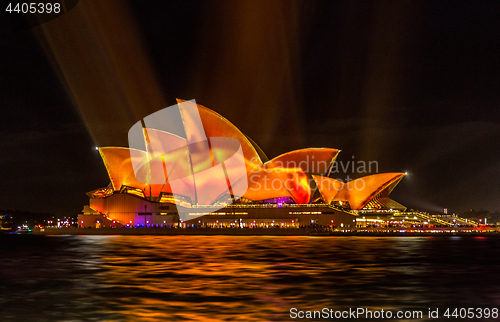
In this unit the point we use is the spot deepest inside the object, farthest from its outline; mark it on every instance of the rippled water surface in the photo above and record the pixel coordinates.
(216, 278)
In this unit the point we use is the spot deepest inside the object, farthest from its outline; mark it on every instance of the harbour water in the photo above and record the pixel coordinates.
(228, 278)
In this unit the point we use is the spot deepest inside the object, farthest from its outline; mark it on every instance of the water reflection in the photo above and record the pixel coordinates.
(203, 278)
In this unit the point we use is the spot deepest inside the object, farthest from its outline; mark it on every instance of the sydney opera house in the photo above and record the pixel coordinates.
(211, 174)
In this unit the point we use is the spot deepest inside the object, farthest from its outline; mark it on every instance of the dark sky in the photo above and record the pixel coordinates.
(414, 86)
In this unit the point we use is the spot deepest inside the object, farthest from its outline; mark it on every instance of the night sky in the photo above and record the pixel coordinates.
(414, 86)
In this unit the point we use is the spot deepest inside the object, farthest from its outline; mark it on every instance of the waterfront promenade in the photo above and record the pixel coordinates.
(443, 231)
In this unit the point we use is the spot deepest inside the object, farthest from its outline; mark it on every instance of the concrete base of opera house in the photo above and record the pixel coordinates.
(249, 216)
